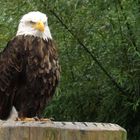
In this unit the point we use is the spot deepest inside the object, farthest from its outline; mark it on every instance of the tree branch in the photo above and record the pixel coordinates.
(90, 53)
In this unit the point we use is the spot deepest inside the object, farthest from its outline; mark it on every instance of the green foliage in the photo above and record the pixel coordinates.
(110, 30)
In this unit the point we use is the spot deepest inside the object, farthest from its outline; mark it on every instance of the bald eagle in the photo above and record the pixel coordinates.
(29, 68)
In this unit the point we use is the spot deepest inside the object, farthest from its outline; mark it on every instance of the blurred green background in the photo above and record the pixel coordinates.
(110, 29)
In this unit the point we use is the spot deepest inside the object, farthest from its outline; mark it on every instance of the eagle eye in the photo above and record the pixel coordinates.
(32, 22)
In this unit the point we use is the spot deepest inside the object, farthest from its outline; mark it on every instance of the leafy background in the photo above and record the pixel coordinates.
(110, 30)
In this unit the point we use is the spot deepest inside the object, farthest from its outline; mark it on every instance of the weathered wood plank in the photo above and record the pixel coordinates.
(60, 131)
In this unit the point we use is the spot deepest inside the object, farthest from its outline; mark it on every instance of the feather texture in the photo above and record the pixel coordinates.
(29, 74)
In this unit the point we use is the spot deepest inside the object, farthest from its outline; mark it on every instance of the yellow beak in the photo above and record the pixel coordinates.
(39, 26)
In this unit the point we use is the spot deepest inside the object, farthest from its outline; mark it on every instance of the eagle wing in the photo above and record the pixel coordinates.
(40, 76)
(29, 74)
(10, 66)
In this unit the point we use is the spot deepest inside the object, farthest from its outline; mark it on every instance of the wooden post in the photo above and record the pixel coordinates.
(60, 131)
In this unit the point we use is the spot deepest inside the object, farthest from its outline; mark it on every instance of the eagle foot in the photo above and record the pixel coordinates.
(34, 119)
(26, 119)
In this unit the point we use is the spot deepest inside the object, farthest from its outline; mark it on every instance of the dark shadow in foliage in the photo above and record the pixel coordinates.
(74, 107)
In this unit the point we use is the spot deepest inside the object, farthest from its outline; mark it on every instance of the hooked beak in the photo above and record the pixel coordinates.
(39, 26)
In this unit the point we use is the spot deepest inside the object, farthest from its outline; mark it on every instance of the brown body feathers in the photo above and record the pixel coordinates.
(29, 74)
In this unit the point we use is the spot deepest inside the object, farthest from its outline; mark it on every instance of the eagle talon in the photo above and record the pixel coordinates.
(17, 119)
(36, 118)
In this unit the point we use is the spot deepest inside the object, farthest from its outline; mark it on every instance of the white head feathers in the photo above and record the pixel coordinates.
(35, 24)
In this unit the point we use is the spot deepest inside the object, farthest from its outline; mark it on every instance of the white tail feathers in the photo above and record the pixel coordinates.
(13, 114)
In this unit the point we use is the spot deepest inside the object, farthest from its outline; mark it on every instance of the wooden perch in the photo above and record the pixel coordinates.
(60, 131)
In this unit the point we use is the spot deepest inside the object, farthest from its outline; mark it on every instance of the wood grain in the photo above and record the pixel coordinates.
(12, 130)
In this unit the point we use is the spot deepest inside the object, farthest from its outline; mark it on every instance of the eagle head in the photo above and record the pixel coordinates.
(36, 24)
